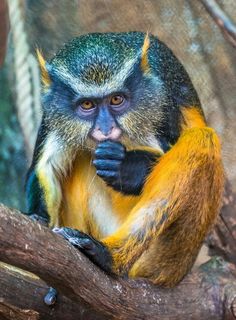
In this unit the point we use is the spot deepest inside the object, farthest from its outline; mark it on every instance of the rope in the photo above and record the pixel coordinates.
(27, 80)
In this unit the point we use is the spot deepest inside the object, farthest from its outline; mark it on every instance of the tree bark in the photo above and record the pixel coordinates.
(207, 293)
(23, 296)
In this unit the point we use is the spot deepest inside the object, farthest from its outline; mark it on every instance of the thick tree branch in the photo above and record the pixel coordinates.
(206, 294)
(22, 294)
(222, 20)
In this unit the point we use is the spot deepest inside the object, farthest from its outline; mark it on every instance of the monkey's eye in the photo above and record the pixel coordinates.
(87, 105)
(117, 100)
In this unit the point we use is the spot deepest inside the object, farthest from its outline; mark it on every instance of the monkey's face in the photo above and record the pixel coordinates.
(99, 89)
(120, 116)
(103, 113)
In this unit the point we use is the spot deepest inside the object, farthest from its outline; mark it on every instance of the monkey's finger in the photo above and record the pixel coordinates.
(68, 232)
(91, 247)
(82, 243)
(111, 144)
(102, 164)
(112, 154)
(76, 238)
(105, 174)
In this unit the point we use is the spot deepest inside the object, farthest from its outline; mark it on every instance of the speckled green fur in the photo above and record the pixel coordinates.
(97, 57)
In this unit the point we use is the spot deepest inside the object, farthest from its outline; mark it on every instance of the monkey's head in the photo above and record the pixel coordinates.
(109, 86)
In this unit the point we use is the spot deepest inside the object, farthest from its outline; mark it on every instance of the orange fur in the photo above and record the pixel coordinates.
(159, 233)
(75, 193)
(121, 204)
(183, 190)
(192, 117)
(44, 73)
(79, 188)
(80, 185)
(144, 58)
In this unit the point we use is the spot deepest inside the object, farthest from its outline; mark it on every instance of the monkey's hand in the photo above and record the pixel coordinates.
(124, 171)
(91, 247)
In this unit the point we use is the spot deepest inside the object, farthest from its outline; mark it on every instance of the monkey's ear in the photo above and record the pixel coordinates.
(144, 54)
(44, 72)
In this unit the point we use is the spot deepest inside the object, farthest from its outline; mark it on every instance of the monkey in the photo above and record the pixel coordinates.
(125, 166)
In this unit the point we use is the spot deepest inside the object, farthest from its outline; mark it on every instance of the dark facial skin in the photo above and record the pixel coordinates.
(103, 112)
(123, 171)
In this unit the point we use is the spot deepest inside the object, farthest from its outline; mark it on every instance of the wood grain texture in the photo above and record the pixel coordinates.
(23, 296)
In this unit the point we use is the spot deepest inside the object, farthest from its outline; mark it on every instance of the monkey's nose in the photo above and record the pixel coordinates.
(113, 134)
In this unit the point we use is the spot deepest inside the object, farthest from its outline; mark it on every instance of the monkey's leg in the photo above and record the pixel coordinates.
(180, 201)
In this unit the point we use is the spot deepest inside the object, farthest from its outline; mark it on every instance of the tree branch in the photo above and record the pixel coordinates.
(221, 19)
(206, 294)
(23, 296)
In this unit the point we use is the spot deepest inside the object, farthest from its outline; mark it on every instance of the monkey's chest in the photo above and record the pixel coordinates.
(88, 204)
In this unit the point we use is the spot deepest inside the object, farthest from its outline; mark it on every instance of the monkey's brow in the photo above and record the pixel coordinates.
(87, 89)
(63, 77)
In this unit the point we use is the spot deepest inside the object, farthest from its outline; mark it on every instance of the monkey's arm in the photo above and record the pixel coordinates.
(36, 206)
(124, 171)
(43, 188)
(180, 201)
(35, 199)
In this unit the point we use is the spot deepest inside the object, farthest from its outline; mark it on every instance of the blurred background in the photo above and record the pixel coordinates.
(184, 25)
